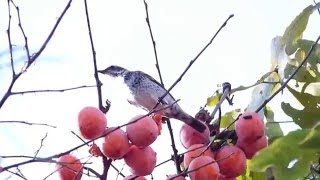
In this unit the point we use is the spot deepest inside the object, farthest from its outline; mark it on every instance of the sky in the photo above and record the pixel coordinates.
(240, 55)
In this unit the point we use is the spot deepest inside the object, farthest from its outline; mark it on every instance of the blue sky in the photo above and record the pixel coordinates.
(240, 55)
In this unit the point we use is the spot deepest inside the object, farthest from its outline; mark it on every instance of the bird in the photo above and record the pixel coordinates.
(146, 92)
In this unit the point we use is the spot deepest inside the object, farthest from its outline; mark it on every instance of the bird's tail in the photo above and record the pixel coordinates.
(197, 125)
(194, 123)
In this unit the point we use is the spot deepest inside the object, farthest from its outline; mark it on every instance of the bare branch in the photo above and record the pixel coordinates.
(279, 122)
(22, 31)
(194, 60)
(16, 174)
(176, 157)
(51, 90)
(163, 162)
(106, 166)
(29, 123)
(37, 54)
(9, 39)
(226, 92)
(119, 171)
(41, 145)
(92, 171)
(33, 57)
(20, 173)
(103, 108)
(153, 42)
(173, 145)
(317, 8)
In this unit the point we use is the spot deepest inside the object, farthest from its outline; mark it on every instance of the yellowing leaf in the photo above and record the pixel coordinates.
(228, 118)
(213, 100)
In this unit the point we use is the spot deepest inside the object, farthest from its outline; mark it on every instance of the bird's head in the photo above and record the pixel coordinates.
(114, 71)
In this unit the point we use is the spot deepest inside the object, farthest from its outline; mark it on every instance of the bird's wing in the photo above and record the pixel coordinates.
(155, 81)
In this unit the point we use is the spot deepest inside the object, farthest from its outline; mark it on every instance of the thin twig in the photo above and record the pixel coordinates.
(78, 137)
(29, 123)
(51, 90)
(17, 174)
(20, 172)
(153, 42)
(98, 82)
(119, 171)
(92, 171)
(34, 56)
(41, 145)
(106, 162)
(224, 96)
(317, 8)
(279, 122)
(106, 166)
(173, 145)
(194, 59)
(22, 31)
(9, 39)
(163, 162)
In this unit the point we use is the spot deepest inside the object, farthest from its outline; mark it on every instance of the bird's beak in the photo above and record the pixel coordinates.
(101, 71)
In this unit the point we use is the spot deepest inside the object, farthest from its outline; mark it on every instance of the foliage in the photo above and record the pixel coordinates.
(290, 156)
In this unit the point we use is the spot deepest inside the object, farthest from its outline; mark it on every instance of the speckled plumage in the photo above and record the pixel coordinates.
(145, 92)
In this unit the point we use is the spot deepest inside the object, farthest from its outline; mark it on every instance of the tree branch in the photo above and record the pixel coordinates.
(194, 59)
(22, 31)
(52, 90)
(29, 123)
(153, 42)
(98, 82)
(173, 145)
(9, 40)
(33, 57)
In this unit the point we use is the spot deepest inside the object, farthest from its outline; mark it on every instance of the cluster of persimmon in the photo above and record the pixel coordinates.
(133, 145)
(228, 161)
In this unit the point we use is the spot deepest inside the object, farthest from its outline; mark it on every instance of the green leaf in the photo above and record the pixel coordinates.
(250, 175)
(273, 130)
(307, 100)
(312, 139)
(228, 118)
(213, 100)
(305, 118)
(303, 75)
(295, 30)
(284, 155)
(314, 57)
